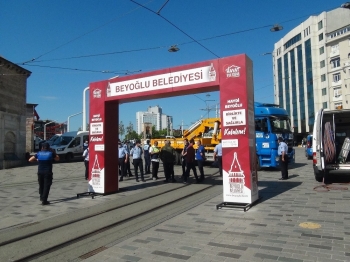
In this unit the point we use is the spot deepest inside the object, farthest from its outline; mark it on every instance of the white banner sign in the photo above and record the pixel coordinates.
(169, 80)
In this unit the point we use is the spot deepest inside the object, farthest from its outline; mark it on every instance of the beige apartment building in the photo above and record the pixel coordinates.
(311, 68)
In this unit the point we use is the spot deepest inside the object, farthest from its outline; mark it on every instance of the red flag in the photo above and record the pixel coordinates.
(36, 115)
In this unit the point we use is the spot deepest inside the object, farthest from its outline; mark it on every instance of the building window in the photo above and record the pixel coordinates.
(335, 48)
(307, 31)
(323, 78)
(336, 77)
(335, 62)
(324, 91)
(337, 92)
(322, 64)
(320, 25)
(292, 41)
(338, 105)
(321, 50)
(320, 37)
(324, 105)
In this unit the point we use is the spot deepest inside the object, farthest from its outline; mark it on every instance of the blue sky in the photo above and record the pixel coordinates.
(74, 43)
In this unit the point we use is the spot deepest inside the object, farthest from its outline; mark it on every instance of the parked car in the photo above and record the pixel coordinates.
(308, 147)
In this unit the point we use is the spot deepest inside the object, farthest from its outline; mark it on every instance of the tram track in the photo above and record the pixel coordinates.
(99, 226)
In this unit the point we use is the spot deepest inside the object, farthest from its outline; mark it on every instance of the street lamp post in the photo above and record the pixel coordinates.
(45, 128)
(84, 108)
(70, 117)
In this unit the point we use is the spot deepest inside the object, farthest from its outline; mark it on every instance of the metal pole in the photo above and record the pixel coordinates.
(84, 107)
(69, 118)
(45, 128)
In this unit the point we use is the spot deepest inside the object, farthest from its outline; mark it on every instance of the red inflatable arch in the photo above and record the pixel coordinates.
(232, 76)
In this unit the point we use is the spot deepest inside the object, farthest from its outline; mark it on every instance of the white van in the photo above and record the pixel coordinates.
(330, 130)
(70, 145)
(53, 139)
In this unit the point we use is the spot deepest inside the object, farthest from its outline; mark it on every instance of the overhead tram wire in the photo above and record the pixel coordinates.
(82, 70)
(137, 50)
(159, 47)
(176, 27)
(78, 37)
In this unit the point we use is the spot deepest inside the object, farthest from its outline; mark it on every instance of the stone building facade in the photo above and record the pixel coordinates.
(13, 95)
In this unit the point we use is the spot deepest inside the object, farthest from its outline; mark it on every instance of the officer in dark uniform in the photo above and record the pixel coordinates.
(45, 158)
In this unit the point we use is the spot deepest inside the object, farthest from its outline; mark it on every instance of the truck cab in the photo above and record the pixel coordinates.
(271, 122)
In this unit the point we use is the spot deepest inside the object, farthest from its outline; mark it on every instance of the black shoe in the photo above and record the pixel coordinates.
(120, 179)
(143, 180)
(44, 203)
(185, 182)
(166, 181)
(137, 180)
(173, 180)
(282, 178)
(131, 175)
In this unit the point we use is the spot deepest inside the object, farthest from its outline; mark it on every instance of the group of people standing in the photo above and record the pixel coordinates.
(152, 155)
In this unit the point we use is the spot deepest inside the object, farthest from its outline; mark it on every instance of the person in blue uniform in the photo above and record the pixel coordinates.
(283, 158)
(136, 153)
(218, 156)
(86, 160)
(123, 156)
(200, 156)
(127, 147)
(147, 157)
(45, 158)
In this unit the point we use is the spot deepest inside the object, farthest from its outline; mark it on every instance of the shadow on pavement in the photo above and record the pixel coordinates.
(274, 188)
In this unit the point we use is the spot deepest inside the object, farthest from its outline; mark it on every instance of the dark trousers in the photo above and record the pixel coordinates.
(45, 182)
(219, 158)
(122, 167)
(284, 166)
(138, 164)
(200, 164)
(155, 167)
(183, 165)
(147, 164)
(86, 169)
(127, 167)
(190, 166)
(169, 171)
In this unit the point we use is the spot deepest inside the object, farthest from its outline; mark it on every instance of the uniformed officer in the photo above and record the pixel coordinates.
(147, 157)
(283, 158)
(45, 157)
(127, 165)
(122, 160)
(218, 155)
(136, 153)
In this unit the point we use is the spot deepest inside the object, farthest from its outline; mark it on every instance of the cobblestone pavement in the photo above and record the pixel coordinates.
(292, 221)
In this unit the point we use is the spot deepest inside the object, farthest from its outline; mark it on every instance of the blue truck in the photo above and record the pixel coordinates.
(271, 122)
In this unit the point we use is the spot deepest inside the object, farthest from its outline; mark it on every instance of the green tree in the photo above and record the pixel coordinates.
(121, 129)
(129, 131)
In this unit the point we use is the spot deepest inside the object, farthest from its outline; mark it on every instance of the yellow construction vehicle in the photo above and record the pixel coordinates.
(206, 130)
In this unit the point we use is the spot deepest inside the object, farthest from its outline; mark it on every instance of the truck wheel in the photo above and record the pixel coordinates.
(69, 157)
(318, 177)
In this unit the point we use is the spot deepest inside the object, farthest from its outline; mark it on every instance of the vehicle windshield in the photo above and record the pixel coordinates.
(280, 124)
(62, 140)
